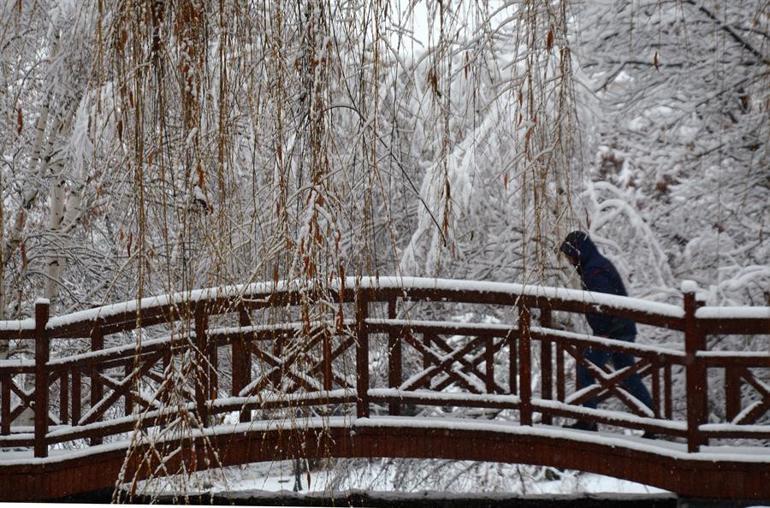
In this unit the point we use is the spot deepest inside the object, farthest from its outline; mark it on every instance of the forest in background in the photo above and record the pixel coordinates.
(150, 147)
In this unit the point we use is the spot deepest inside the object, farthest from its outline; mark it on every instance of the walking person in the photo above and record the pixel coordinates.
(598, 274)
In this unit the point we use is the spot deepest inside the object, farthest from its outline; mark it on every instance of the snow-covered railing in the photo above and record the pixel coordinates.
(517, 367)
(148, 311)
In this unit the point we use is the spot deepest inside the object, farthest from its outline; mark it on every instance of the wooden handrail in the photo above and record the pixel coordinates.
(154, 310)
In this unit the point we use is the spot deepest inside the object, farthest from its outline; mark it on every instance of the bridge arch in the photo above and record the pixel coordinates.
(712, 475)
(459, 365)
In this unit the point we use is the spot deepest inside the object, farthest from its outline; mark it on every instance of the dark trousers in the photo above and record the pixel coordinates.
(633, 383)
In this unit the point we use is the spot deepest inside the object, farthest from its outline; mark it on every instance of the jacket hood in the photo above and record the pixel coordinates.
(578, 244)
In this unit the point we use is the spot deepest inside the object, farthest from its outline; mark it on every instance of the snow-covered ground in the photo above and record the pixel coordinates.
(280, 476)
(263, 481)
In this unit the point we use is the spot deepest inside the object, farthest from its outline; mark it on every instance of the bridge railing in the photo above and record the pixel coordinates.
(380, 351)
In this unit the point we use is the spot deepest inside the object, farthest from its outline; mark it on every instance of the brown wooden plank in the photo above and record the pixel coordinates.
(64, 391)
(395, 374)
(97, 390)
(427, 339)
(5, 403)
(241, 361)
(725, 480)
(326, 354)
(513, 361)
(489, 362)
(735, 359)
(668, 389)
(42, 352)
(656, 402)
(362, 356)
(525, 366)
(561, 374)
(740, 326)
(695, 374)
(732, 393)
(128, 399)
(202, 370)
(76, 396)
(438, 328)
(546, 363)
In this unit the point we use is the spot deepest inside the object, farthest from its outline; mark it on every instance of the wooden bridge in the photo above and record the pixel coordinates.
(365, 368)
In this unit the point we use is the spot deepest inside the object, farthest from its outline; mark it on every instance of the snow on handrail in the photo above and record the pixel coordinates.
(448, 325)
(736, 312)
(603, 341)
(276, 327)
(515, 289)
(429, 396)
(264, 290)
(131, 349)
(451, 288)
(17, 325)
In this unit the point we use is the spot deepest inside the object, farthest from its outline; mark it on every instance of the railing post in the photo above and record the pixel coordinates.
(489, 364)
(561, 374)
(668, 408)
(362, 355)
(696, 369)
(5, 404)
(513, 363)
(42, 351)
(128, 402)
(213, 358)
(64, 396)
(427, 339)
(203, 381)
(241, 361)
(732, 393)
(77, 399)
(326, 346)
(97, 390)
(277, 377)
(525, 366)
(546, 363)
(394, 358)
(656, 395)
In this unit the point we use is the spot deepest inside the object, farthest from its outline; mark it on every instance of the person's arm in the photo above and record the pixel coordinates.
(601, 281)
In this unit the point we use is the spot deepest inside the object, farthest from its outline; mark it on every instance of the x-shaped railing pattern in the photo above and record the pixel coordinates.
(446, 365)
(300, 362)
(609, 382)
(124, 387)
(26, 399)
(753, 412)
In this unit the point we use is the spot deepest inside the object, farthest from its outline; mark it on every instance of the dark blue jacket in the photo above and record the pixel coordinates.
(599, 274)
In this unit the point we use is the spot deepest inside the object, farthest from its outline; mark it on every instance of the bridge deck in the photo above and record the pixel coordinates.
(715, 472)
